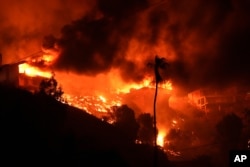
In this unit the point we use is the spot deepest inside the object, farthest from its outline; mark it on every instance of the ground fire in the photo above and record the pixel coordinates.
(37, 68)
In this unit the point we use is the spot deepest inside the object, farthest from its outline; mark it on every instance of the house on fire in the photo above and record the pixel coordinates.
(10, 75)
(208, 99)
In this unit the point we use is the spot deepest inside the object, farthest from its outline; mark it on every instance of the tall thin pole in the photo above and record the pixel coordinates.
(155, 127)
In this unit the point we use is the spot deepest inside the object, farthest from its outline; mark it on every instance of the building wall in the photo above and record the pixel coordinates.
(9, 74)
(210, 99)
(30, 83)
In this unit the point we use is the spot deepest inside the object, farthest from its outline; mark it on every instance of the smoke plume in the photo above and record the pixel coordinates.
(23, 24)
(205, 42)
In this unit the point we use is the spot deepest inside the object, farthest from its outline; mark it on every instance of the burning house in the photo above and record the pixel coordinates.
(208, 99)
(23, 74)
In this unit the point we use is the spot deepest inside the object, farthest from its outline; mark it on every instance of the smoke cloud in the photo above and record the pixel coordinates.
(23, 24)
(205, 42)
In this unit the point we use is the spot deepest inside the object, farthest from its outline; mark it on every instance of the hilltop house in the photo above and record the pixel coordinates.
(11, 76)
(207, 99)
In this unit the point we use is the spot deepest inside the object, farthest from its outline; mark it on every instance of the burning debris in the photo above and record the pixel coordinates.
(96, 105)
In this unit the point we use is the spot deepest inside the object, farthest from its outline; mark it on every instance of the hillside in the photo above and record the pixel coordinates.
(37, 130)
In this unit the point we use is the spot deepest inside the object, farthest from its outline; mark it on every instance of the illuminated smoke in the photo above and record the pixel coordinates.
(23, 24)
(205, 42)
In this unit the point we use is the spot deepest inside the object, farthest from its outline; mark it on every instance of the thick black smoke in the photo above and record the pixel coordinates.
(206, 42)
(98, 41)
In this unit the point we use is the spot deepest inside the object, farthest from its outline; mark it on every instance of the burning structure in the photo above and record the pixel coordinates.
(24, 74)
(29, 72)
(208, 99)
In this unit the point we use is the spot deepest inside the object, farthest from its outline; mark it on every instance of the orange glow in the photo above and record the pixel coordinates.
(174, 121)
(45, 59)
(96, 94)
(147, 82)
(103, 99)
(92, 104)
(126, 88)
(167, 85)
(33, 71)
(160, 138)
(48, 58)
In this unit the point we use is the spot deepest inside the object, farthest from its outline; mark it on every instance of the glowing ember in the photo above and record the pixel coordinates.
(160, 138)
(174, 121)
(102, 99)
(33, 71)
(95, 105)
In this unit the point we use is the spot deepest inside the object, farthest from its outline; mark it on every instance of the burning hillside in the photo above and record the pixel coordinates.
(102, 55)
(97, 101)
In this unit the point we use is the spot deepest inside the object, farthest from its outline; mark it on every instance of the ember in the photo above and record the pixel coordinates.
(96, 105)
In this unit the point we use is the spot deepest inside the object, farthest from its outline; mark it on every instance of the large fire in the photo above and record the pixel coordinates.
(97, 104)
(94, 102)
(38, 65)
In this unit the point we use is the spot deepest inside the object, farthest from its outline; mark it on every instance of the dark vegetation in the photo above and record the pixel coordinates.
(49, 86)
(37, 130)
(206, 140)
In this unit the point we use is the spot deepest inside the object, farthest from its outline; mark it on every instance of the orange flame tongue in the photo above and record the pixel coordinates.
(160, 138)
(33, 71)
(145, 83)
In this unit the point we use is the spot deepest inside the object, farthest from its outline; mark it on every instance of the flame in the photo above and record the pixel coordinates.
(92, 104)
(103, 99)
(45, 59)
(48, 59)
(147, 82)
(30, 68)
(160, 138)
(33, 71)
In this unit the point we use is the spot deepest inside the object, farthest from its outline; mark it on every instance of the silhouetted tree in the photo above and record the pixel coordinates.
(146, 128)
(50, 87)
(159, 63)
(125, 121)
(179, 139)
(230, 128)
